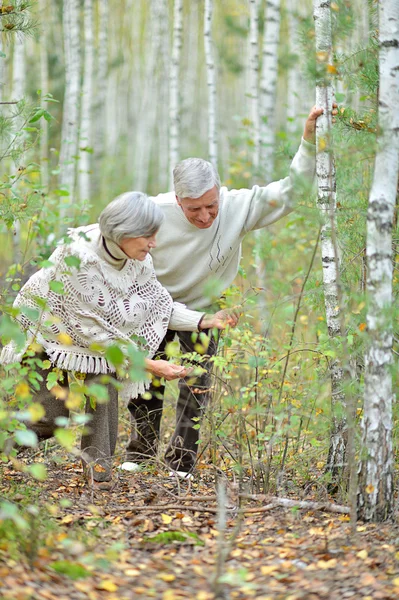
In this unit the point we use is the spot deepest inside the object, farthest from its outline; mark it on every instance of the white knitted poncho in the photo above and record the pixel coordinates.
(98, 306)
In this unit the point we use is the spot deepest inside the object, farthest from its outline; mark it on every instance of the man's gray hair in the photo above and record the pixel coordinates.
(193, 177)
(130, 215)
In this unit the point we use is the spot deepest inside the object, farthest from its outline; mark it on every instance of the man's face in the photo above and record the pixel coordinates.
(201, 211)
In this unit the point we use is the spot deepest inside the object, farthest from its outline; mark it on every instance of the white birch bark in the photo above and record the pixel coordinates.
(254, 77)
(145, 129)
(268, 86)
(2, 70)
(375, 493)
(294, 73)
(44, 126)
(101, 77)
(326, 202)
(18, 69)
(162, 114)
(174, 117)
(17, 93)
(211, 82)
(85, 142)
(70, 122)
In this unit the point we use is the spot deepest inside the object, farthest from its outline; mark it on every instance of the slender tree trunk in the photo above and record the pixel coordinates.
(101, 77)
(375, 492)
(268, 86)
(146, 126)
(294, 74)
(44, 134)
(254, 77)
(162, 115)
(210, 72)
(2, 70)
(70, 122)
(174, 104)
(17, 93)
(85, 142)
(326, 202)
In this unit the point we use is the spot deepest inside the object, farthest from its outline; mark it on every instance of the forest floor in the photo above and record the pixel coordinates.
(155, 537)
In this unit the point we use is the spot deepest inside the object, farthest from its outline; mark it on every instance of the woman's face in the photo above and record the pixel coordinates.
(139, 247)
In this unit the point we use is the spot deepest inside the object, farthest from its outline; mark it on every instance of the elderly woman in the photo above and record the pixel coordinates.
(101, 289)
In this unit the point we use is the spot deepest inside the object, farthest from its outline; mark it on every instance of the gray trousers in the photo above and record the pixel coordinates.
(99, 440)
(193, 398)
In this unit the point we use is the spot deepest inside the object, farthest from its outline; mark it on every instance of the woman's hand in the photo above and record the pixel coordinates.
(166, 369)
(220, 320)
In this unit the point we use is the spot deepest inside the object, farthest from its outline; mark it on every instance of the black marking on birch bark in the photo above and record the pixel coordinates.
(390, 44)
(328, 259)
(325, 5)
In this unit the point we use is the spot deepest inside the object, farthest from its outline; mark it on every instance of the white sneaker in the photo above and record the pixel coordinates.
(130, 466)
(181, 475)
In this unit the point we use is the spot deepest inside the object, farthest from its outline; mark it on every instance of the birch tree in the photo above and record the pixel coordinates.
(326, 202)
(268, 86)
(70, 121)
(254, 76)
(101, 78)
(211, 82)
(294, 74)
(150, 97)
(162, 115)
(375, 493)
(17, 94)
(87, 107)
(44, 126)
(174, 129)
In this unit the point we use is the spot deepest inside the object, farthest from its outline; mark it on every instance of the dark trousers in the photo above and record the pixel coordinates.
(99, 440)
(193, 398)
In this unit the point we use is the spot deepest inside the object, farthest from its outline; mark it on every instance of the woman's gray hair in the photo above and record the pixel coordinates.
(130, 215)
(193, 177)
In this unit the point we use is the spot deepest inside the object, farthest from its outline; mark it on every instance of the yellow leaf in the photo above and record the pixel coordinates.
(370, 489)
(331, 69)
(396, 582)
(65, 339)
(166, 577)
(267, 569)
(334, 6)
(362, 326)
(22, 390)
(132, 572)
(363, 554)
(167, 519)
(322, 56)
(59, 392)
(73, 401)
(304, 319)
(36, 412)
(107, 585)
(327, 564)
(322, 144)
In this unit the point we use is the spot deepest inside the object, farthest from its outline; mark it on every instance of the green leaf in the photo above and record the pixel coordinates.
(99, 392)
(26, 438)
(65, 437)
(56, 286)
(70, 569)
(46, 264)
(38, 471)
(72, 261)
(114, 355)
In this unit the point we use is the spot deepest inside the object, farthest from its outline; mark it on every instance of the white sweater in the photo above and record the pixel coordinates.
(187, 258)
(86, 300)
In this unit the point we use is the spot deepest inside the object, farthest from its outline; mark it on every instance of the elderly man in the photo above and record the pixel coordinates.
(200, 240)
